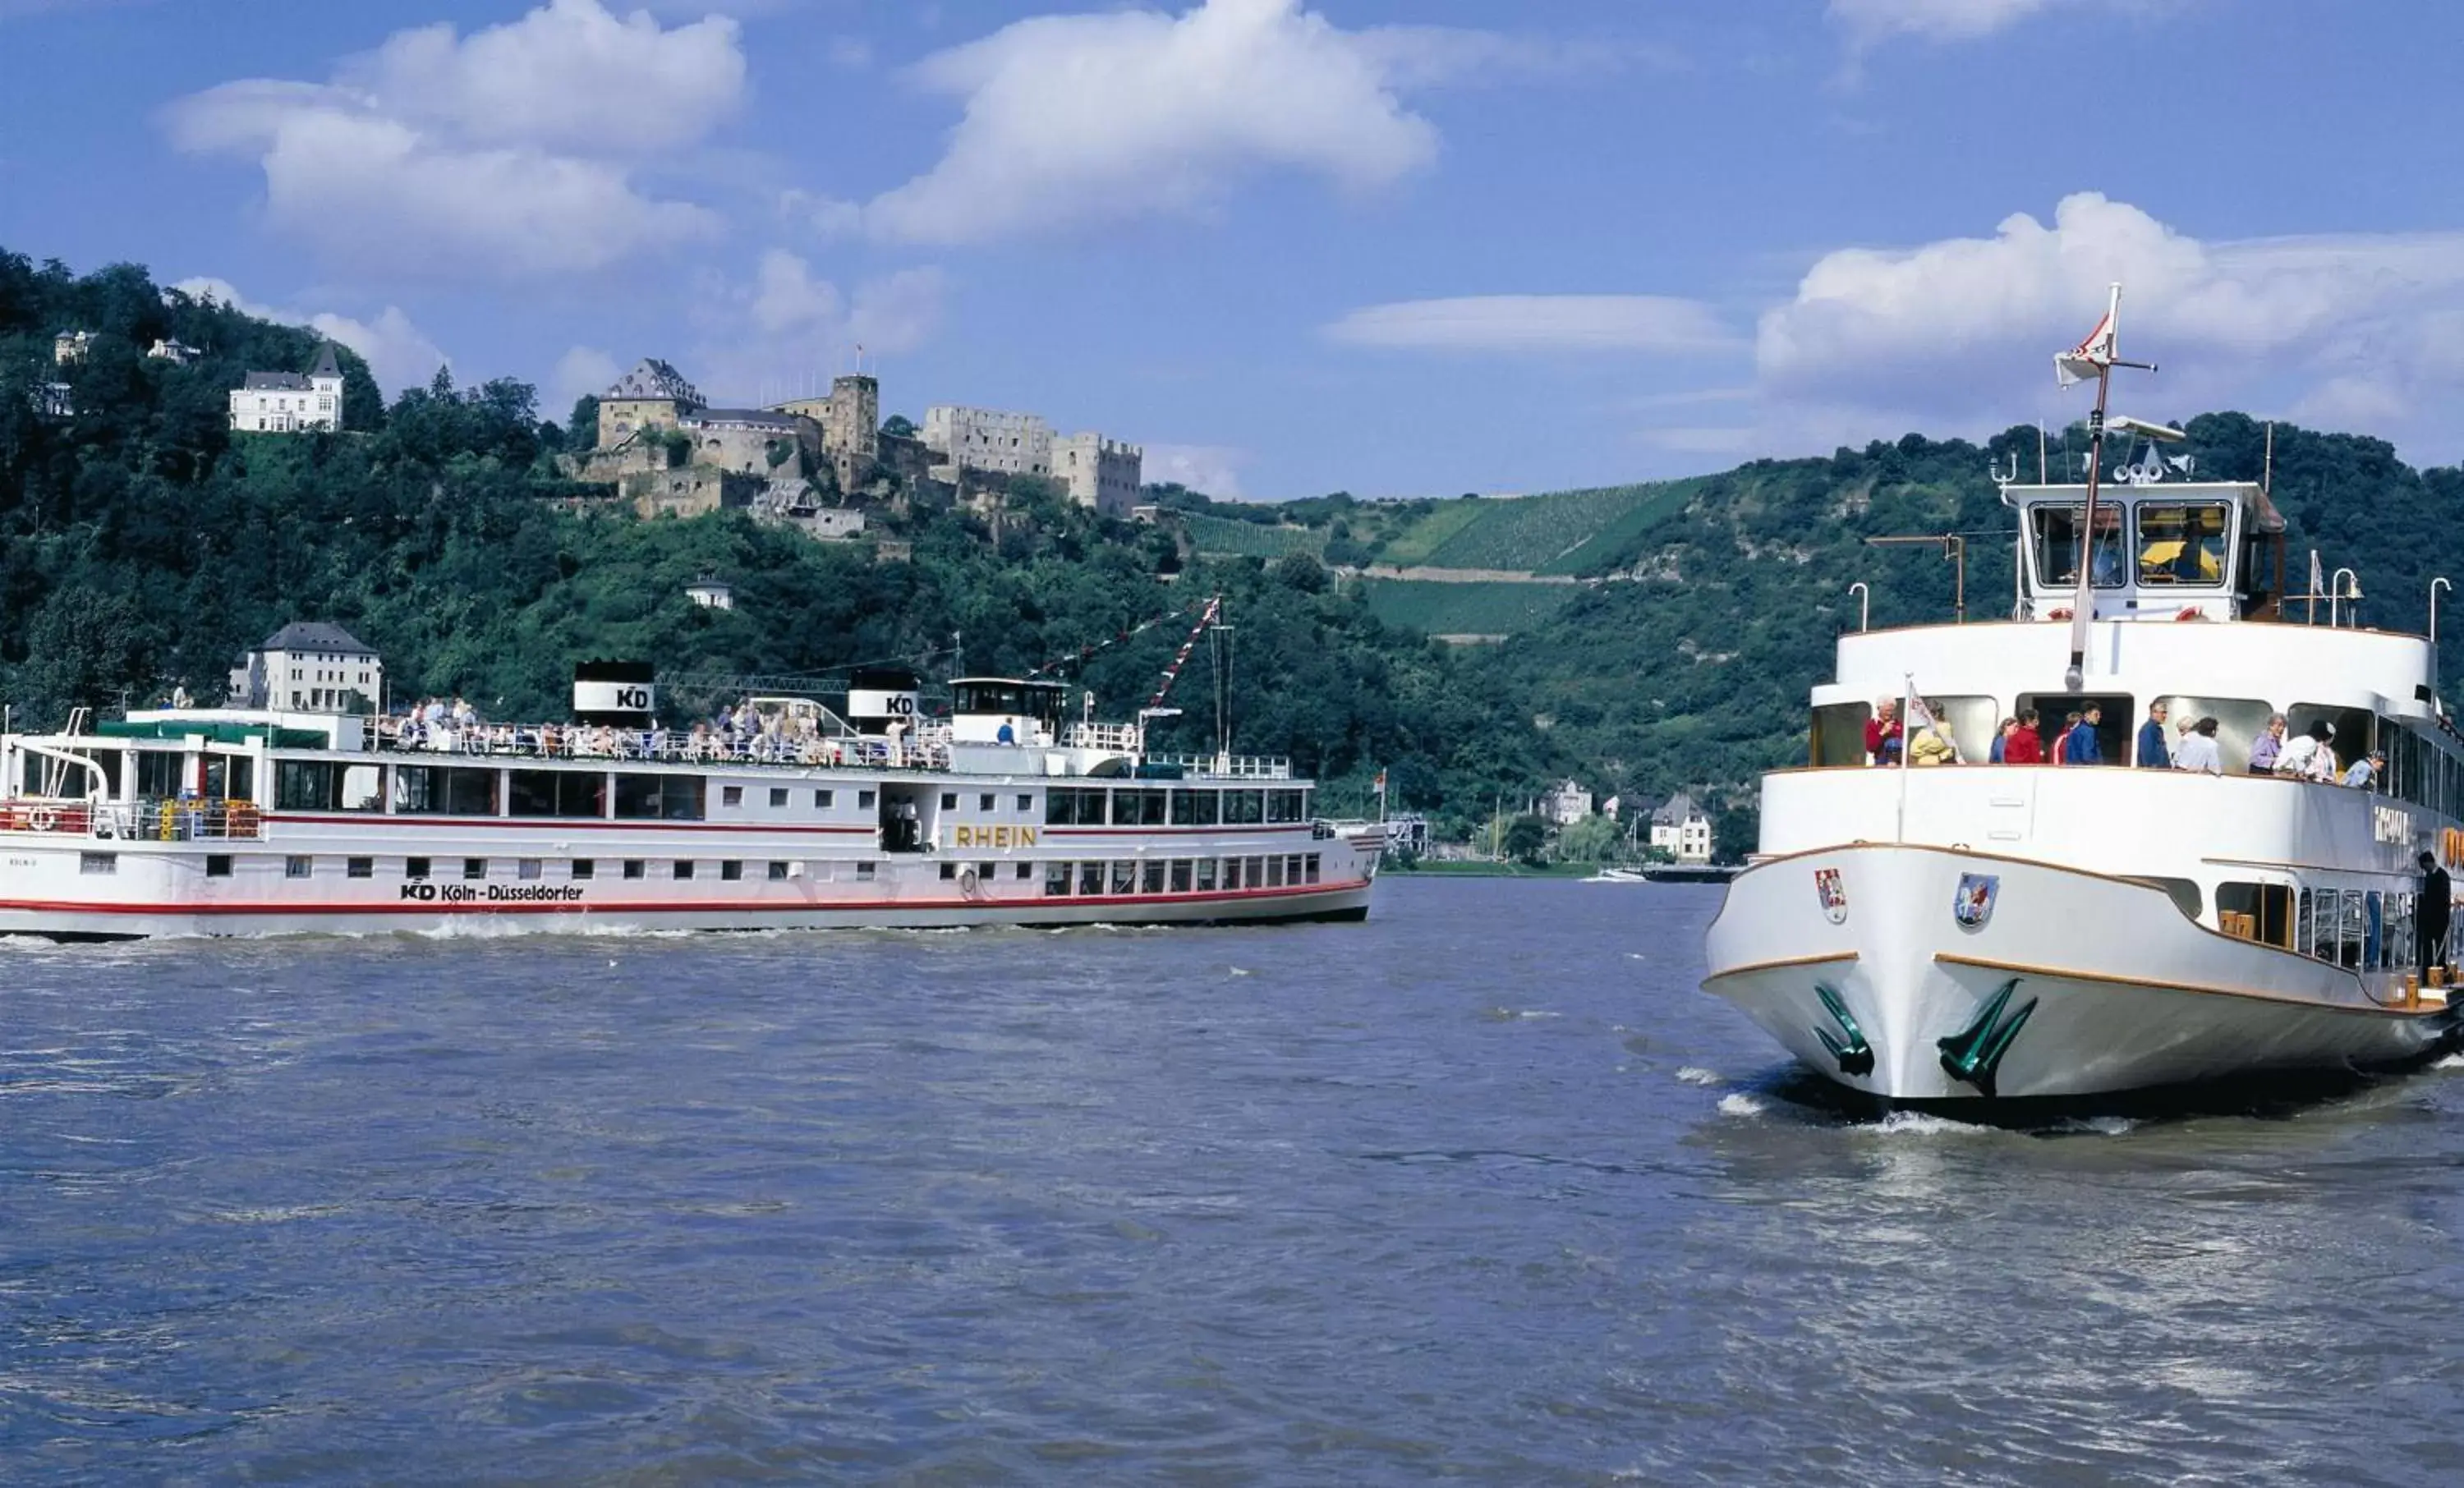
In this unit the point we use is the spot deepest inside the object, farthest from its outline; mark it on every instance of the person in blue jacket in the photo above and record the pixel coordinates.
(2081, 748)
(2152, 753)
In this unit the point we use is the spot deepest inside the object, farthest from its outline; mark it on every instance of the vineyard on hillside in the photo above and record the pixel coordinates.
(1466, 609)
(1219, 536)
(1541, 534)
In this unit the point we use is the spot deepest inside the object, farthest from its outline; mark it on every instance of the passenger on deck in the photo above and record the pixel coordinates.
(2152, 753)
(1882, 732)
(2366, 771)
(2429, 915)
(2300, 757)
(2024, 747)
(2197, 751)
(2269, 744)
(2081, 746)
(2001, 741)
(1931, 742)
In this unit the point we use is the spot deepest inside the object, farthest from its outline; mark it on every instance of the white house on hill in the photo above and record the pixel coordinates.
(312, 667)
(1679, 829)
(283, 403)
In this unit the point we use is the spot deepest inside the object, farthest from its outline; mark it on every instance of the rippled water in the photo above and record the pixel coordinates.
(1483, 1189)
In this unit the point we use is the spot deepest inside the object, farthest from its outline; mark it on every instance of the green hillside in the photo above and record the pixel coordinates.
(1486, 608)
(1223, 537)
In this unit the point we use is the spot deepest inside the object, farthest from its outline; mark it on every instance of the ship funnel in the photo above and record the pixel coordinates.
(618, 694)
(879, 696)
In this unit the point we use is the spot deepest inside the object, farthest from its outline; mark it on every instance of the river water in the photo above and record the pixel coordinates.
(1484, 1190)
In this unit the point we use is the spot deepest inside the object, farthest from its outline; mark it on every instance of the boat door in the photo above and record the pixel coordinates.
(903, 817)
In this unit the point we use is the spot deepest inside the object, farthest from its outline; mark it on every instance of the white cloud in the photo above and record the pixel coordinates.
(1213, 470)
(1960, 332)
(785, 327)
(1539, 324)
(399, 354)
(1072, 119)
(1934, 20)
(850, 54)
(509, 150)
(582, 371)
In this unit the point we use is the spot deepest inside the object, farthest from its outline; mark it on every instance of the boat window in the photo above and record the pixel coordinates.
(732, 871)
(1056, 878)
(1060, 806)
(2351, 935)
(1181, 875)
(731, 795)
(2398, 947)
(584, 868)
(1286, 807)
(526, 867)
(778, 872)
(360, 867)
(863, 800)
(2305, 934)
(667, 798)
(475, 867)
(298, 867)
(1312, 867)
(158, 774)
(2373, 931)
(556, 792)
(307, 785)
(1125, 878)
(105, 863)
(1838, 735)
(444, 790)
(778, 796)
(1243, 808)
(822, 801)
(2182, 543)
(1232, 872)
(636, 868)
(2350, 728)
(683, 868)
(2256, 911)
(1206, 875)
(1194, 808)
(2056, 542)
(949, 800)
(1091, 878)
(2239, 720)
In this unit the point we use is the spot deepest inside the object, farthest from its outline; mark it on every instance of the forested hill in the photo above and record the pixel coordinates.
(141, 545)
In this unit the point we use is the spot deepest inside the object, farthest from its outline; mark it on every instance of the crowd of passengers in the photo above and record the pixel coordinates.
(743, 734)
(1924, 738)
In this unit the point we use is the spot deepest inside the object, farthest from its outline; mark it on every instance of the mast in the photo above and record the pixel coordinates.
(2082, 604)
(2095, 354)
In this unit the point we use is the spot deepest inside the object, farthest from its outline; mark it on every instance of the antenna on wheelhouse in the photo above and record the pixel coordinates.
(2094, 357)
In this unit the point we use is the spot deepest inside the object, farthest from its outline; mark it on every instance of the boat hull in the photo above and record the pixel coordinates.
(95, 921)
(2068, 985)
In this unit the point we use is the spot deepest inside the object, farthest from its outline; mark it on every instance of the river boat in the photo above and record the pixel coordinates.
(1971, 935)
(222, 821)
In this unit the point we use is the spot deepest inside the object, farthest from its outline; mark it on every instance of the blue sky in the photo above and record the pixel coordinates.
(1397, 249)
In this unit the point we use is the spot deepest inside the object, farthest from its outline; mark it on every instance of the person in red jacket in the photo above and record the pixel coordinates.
(2024, 747)
(1882, 733)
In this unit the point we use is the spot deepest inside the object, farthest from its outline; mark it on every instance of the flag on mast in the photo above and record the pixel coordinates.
(2090, 357)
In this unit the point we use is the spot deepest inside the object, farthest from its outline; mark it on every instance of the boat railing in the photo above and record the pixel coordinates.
(665, 746)
(1229, 767)
(186, 821)
(1113, 738)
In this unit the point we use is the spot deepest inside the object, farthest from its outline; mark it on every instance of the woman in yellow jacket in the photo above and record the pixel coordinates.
(1930, 744)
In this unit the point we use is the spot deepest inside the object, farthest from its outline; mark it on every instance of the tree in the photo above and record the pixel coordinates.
(581, 430)
(897, 426)
(1736, 832)
(1527, 837)
(1593, 839)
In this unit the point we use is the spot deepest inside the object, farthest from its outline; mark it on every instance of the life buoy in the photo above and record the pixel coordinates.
(2058, 612)
(2191, 612)
(967, 882)
(42, 819)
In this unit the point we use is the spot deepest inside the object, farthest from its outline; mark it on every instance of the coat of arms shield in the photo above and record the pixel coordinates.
(1973, 903)
(1833, 895)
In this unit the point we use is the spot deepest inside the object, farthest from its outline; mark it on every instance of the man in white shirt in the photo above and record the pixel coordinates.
(2299, 757)
(2196, 751)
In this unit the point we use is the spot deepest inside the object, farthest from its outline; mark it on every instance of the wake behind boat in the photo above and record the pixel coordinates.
(1984, 933)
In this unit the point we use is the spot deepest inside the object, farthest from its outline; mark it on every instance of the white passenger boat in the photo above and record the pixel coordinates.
(1976, 932)
(195, 822)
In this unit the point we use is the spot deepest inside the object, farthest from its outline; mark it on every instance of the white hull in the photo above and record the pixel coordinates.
(2077, 985)
(1343, 901)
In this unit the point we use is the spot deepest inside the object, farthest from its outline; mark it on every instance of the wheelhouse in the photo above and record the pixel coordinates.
(2212, 551)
